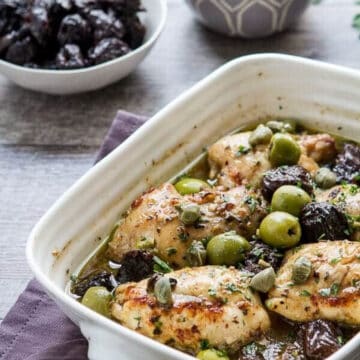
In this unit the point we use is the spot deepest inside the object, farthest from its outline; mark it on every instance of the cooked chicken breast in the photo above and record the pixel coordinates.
(347, 198)
(332, 292)
(319, 147)
(210, 304)
(234, 162)
(154, 216)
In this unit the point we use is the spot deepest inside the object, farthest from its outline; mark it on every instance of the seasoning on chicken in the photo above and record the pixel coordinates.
(156, 222)
(234, 161)
(209, 304)
(331, 291)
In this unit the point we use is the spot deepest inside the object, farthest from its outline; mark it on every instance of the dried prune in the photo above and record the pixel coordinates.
(7, 40)
(322, 220)
(286, 175)
(136, 265)
(74, 29)
(320, 339)
(40, 24)
(135, 32)
(347, 166)
(36, 32)
(70, 57)
(105, 25)
(21, 51)
(108, 49)
(102, 278)
(260, 254)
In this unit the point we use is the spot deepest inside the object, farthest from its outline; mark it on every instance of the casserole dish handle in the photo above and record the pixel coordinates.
(107, 344)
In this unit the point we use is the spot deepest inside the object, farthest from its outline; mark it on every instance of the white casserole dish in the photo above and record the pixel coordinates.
(322, 96)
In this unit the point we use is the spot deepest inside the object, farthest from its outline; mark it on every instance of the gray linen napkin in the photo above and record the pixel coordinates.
(35, 328)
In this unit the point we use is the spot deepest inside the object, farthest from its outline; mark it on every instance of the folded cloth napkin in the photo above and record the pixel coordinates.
(35, 328)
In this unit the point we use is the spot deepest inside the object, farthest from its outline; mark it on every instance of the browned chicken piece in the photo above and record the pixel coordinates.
(233, 161)
(210, 303)
(347, 198)
(332, 291)
(154, 219)
(316, 149)
(319, 147)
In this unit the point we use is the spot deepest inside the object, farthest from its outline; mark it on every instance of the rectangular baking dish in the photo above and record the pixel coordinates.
(244, 91)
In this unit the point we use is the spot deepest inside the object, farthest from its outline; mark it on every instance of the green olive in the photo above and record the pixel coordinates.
(98, 299)
(264, 280)
(226, 249)
(284, 150)
(212, 354)
(282, 126)
(190, 186)
(189, 213)
(325, 178)
(301, 270)
(261, 135)
(196, 254)
(280, 229)
(290, 199)
(162, 291)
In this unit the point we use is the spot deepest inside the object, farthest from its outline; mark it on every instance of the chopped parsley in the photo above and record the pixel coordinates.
(183, 236)
(334, 261)
(251, 202)
(242, 150)
(204, 344)
(334, 290)
(212, 292)
(171, 251)
(305, 293)
(161, 266)
(232, 288)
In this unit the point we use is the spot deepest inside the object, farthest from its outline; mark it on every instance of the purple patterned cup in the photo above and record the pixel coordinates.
(248, 18)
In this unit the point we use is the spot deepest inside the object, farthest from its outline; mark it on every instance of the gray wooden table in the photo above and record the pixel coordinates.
(46, 142)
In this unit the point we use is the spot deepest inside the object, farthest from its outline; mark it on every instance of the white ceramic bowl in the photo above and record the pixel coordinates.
(323, 96)
(248, 19)
(65, 82)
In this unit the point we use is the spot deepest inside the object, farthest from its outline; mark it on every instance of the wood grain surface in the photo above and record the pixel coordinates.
(48, 142)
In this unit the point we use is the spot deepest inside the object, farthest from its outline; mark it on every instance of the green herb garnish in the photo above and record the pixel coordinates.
(161, 266)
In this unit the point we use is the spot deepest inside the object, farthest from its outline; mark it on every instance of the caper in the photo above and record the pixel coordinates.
(226, 249)
(261, 135)
(98, 299)
(284, 150)
(190, 186)
(282, 126)
(162, 291)
(212, 354)
(189, 213)
(325, 178)
(289, 198)
(264, 280)
(301, 270)
(196, 254)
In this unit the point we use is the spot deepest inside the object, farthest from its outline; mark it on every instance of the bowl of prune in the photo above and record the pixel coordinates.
(73, 46)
